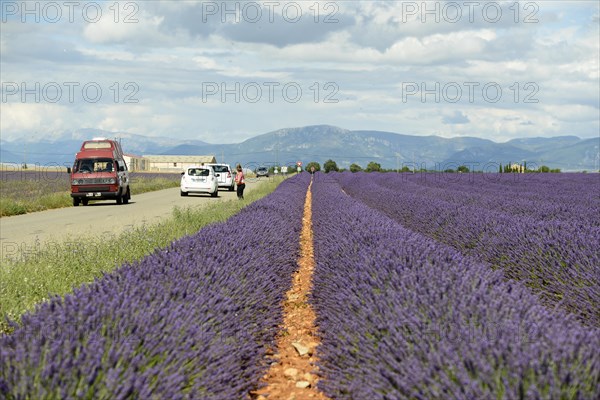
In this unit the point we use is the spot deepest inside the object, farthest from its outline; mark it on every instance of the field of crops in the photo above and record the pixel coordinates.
(540, 229)
(405, 315)
(483, 287)
(25, 191)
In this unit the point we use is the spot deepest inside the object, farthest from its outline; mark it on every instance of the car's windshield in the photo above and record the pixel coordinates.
(198, 172)
(88, 165)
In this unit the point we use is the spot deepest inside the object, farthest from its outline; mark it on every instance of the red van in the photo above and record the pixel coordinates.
(100, 173)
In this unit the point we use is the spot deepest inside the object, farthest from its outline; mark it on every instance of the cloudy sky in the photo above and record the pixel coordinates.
(226, 71)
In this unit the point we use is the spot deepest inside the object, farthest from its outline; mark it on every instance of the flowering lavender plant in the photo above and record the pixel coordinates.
(404, 316)
(541, 229)
(192, 320)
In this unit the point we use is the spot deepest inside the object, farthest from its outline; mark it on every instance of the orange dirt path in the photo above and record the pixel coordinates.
(293, 376)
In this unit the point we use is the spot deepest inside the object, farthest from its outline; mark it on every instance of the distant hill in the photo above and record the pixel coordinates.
(393, 150)
(539, 144)
(61, 150)
(322, 142)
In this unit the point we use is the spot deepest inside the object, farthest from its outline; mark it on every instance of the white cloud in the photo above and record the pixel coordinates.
(374, 48)
(436, 48)
(205, 62)
(572, 113)
(142, 28)
(433, 49)
(21, 120)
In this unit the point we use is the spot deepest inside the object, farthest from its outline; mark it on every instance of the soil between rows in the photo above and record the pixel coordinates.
(294, 375)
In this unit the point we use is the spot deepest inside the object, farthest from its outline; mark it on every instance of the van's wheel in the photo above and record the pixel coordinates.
(127, 196)
(84, 201)
(231, 188)
(119, 199)
(76, 201)
(215, 194)
(183, 193)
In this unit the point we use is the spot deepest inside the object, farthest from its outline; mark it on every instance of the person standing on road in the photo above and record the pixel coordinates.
(240, 182)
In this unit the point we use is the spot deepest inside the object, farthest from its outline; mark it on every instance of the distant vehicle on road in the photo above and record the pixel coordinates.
(262, 171)
(224, 176)
(199, 179)
(100, 173)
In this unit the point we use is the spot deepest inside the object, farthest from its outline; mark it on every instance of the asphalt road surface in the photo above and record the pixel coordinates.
(31, 231)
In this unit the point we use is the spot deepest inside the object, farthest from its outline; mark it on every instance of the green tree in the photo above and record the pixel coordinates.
(500, 169)
(355, 168)
(405, 168)
(463, 168)
(312, 164)
(329, 166)
(373, 167)
(544, 168)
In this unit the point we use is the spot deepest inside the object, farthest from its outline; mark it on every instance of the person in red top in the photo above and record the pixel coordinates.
(240, 182)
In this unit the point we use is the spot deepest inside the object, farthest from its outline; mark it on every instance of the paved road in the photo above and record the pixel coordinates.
(28, 232)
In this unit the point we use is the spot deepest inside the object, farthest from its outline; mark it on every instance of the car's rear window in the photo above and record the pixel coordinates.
(198, 172)
(220, 168)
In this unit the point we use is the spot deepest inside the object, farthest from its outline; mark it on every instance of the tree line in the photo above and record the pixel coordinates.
(331, 166)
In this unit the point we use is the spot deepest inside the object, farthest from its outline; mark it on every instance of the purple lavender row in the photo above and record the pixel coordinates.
(403, 316)
(558, 258)
(540, 196)
(191, 321)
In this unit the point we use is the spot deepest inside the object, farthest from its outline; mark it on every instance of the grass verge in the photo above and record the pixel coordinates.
(58, 269)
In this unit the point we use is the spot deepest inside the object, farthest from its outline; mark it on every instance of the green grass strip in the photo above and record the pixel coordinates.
(60, 268)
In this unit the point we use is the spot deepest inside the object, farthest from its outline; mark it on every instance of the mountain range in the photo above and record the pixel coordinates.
(322, 142)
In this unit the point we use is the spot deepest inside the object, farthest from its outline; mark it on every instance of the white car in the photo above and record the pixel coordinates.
(224, 176)
(201, 179)
(262, 171)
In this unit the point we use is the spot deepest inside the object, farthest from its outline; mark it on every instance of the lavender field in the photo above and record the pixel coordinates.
(406, 316)
(25, 191)
(424, 288)
(540, 229)
(188, 321)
